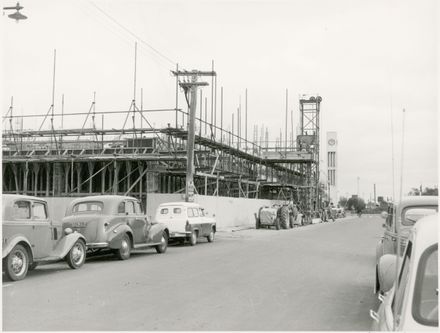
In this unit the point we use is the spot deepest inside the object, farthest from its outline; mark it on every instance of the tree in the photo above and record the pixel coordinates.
(342, 201)
(426, 191)
(430, 191)
(414, 191)
(356, 204)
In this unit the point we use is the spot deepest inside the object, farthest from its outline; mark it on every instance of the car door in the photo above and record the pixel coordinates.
(44, 235)
(196, 220)
(191, 218)
(131, 219)
(399, 297)
(390, 235)
(141, 224)
(204, 223)
(21, 221)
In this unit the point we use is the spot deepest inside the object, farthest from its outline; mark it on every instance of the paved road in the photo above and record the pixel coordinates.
(317, 277)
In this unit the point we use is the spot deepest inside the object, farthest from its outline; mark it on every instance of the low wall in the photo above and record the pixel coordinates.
(57, 207)
(229, 212)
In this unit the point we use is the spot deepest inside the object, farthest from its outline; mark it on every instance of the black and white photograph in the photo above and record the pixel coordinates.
(220, 165)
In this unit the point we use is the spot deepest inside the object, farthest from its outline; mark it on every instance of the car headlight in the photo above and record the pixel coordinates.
(68, 231)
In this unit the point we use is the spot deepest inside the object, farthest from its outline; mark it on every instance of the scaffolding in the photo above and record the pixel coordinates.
(143, 158)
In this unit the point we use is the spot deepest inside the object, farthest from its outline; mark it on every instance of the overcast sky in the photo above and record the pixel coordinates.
(367, 59)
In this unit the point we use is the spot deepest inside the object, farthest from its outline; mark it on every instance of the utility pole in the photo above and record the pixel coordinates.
(374, 193)
(190, 85)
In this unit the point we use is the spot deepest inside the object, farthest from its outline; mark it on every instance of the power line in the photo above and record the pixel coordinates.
(132, 34)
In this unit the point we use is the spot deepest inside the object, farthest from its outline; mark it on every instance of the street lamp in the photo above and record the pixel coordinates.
(17, 15)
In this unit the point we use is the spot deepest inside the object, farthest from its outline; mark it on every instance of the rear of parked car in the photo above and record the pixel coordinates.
(175, 216)
(186, 221)
(88, 218)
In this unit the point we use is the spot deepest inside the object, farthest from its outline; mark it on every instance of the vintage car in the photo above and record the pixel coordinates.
(412, 303)
(285, 216)
(115, 222)
(267, 217)
(408, 211)
(186, 221)
(30, 237)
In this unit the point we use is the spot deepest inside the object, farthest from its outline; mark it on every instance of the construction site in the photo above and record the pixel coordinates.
(176, 150)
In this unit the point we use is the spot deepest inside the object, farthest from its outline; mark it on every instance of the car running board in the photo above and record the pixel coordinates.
(141, 246)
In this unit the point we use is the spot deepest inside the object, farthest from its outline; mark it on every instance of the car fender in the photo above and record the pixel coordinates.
(379, 250)
(193, 227)
(156, 231)
(14, 241)
(115, 234)
(66, 243)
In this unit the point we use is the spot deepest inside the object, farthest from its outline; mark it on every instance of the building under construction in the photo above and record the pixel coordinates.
(143, 158)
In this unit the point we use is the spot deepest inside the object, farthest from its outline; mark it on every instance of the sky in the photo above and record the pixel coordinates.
(368, 60)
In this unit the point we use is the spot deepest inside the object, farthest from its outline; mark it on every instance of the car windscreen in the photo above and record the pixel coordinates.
(412, 214)
(88, 207)
(425, 300)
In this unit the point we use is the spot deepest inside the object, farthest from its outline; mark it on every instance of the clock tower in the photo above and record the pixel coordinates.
(332, 167)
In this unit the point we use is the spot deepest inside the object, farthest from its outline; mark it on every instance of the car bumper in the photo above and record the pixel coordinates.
(97, 245)
(180, 234)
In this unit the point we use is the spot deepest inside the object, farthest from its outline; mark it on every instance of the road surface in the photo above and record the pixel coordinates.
(318, 277)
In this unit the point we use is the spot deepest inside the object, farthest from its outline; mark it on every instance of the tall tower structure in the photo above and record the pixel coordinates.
(309, 140)
(332, 166)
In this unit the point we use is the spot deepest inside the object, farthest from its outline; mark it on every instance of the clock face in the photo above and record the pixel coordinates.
(331, 142)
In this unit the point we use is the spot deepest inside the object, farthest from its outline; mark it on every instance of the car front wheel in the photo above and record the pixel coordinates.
(77, 255)
(162, 247)
(123, 252)
(193, 239)
(16, 263)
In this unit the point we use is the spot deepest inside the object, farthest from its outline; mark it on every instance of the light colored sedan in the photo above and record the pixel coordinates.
(411, 304)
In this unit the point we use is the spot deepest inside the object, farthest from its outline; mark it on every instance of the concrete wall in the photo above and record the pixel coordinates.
(57, 207)
(229, 212)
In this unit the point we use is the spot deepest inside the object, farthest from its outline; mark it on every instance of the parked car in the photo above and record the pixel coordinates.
(412, 303)
(186, 221)
(267, 217)
(116, 223)
(408, 211)
(30, 237)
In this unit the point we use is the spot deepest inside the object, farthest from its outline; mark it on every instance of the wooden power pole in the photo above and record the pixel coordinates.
(190, 85)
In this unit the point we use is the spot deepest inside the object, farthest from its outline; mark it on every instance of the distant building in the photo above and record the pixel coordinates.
(332, 166)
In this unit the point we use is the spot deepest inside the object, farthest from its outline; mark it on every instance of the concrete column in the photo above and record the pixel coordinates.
(66, 177)
(103, 173)
(127, 180)
(58, 174)
(14, 170)
(90, 165)
(47, 179)
(78, 177)
(36, 169)
(116, 167)
(140, 170)
(25, 178)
